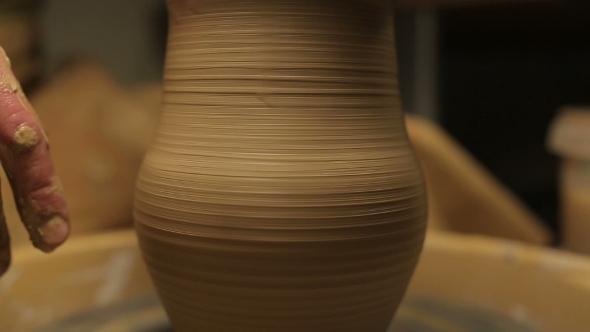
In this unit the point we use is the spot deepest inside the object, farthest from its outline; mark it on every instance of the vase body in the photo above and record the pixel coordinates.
(281, 192)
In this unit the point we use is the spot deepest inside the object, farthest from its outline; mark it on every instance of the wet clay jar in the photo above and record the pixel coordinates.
(281, 192)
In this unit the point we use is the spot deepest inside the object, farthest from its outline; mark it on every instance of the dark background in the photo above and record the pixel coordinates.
(504, 71)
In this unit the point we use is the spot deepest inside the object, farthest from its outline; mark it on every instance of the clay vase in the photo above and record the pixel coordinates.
(281, 192)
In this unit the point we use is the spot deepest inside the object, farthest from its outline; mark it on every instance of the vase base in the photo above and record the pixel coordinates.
(415, 314)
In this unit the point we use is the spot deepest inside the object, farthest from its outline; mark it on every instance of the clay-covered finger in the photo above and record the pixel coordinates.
(24, 152)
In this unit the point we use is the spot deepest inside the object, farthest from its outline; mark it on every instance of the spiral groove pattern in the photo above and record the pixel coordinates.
(281, 192)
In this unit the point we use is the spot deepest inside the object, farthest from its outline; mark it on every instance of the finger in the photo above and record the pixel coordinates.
(24, 152)
(4, 242)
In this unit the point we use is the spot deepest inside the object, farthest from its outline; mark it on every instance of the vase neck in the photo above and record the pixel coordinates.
(284, 55)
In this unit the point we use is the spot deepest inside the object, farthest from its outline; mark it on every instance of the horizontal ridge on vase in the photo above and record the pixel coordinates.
(281, 192)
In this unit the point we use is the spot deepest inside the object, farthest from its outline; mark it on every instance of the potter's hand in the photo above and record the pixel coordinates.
(24, 154)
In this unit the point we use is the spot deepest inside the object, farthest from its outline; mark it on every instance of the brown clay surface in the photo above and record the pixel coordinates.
(281, 193)
(545, 289)
(416, 314)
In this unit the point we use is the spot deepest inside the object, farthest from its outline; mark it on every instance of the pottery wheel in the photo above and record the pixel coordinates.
(416, 314)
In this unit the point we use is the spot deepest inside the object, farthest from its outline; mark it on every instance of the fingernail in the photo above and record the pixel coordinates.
(54, 232)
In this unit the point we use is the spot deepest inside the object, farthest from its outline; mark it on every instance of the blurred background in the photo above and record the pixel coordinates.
(493, 75)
